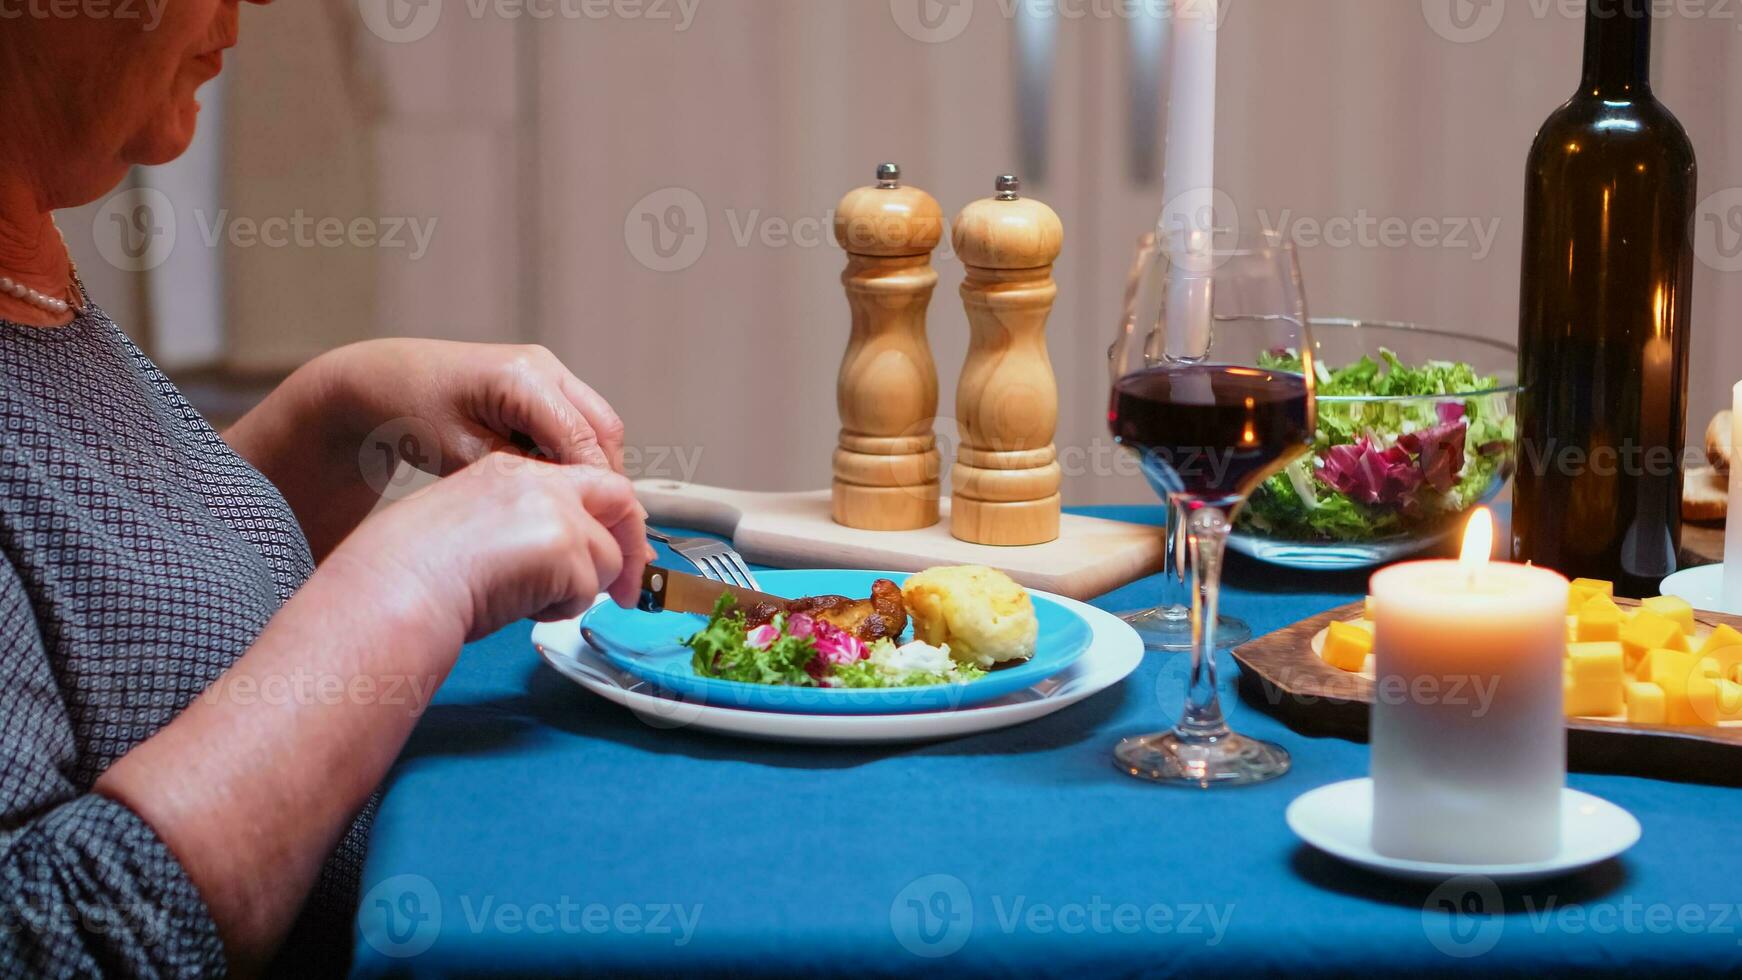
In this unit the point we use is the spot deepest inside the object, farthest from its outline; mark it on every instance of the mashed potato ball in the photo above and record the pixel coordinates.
(983, 616)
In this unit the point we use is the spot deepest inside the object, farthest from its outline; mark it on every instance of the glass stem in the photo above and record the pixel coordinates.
(1207, 528)
(1174, 570)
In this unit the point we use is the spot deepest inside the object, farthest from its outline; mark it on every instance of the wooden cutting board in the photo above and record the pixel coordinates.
(794, 530)
(1281, 674)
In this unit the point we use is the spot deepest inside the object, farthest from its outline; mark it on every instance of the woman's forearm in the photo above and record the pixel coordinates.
(253, 785)
(305, 438)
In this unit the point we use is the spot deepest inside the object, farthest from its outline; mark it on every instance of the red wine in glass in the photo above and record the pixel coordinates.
(1211, 433)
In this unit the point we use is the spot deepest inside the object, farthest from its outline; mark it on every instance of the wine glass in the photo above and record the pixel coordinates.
(1214, 390)
(1167, 625)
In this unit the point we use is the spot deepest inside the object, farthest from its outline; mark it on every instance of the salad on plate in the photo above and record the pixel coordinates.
(967, 620)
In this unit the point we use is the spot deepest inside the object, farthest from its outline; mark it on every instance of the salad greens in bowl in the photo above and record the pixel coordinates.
(1416, 428)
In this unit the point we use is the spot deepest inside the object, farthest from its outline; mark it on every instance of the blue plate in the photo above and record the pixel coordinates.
(649, 646)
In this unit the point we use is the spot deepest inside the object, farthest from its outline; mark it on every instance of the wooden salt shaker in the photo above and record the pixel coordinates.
(886, 465)
(1005, 484)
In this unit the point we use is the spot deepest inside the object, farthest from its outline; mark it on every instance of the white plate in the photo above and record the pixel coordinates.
(1113, 654)
(1338, 819)
(1702, 587)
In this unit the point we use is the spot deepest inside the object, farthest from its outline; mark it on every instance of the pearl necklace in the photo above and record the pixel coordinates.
(44, 301)
(41, 301)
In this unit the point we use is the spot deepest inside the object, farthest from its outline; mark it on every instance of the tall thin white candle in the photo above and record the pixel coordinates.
(1191, 120)
(1188, 218)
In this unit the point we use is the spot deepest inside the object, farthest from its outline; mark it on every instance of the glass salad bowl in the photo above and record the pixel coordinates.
(1415, 429)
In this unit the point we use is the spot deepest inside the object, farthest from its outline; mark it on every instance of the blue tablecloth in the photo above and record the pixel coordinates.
(532, 827)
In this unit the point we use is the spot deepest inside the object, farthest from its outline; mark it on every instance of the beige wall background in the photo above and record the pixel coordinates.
(538, 140)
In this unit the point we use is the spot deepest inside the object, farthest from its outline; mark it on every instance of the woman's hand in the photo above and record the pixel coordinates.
(251, 793)
(509, 538)
(331, 435)
(477, 397)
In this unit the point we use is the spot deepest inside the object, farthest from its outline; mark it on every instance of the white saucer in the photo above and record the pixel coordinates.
(1113, 654)
(1702, 587)
(1338, 819)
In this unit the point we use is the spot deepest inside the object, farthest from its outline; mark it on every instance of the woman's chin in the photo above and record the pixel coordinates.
(168, 138)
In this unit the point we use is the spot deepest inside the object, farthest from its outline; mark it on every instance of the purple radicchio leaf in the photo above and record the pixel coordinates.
(1366, 474)
(1440, 451)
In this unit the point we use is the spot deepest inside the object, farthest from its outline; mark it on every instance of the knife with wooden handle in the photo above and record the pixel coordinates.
(664, 590)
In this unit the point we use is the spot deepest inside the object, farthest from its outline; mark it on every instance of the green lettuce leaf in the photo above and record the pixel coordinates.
(721, 651)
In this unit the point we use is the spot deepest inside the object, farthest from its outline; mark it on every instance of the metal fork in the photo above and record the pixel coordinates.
(716, 559)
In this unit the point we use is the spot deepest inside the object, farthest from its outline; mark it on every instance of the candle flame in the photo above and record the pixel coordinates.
(1478, 540)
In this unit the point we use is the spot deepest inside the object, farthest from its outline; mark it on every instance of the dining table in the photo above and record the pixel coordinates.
(531, 827)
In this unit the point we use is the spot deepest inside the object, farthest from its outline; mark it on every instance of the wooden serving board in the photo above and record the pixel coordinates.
(1281, 674)
(795, 530)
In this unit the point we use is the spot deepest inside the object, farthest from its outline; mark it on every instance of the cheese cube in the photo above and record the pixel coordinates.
(1700, 707)
(1669, 669)
(1648, 631)
(1729, 700)
(1723, 636)
(1599, 620)
(1724, 661)
(1644, 703)
(1593, 679)
(1689, 696)
(1724, 648)
(1595, 661)
(1347, 646)
(1672, 607)
(1583, 590)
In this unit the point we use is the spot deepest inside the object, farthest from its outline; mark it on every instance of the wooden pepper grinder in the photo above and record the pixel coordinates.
(886, 465)
(1005, 485)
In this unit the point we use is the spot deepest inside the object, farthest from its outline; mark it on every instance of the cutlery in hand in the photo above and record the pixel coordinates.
(663, 589)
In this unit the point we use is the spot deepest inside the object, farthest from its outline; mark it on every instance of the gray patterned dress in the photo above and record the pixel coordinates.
(139, 558)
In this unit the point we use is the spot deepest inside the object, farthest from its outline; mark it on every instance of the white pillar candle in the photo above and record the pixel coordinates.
(1469, 734)
(1733, 522)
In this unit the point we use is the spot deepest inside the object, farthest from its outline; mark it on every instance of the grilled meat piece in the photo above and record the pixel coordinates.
(882, 616)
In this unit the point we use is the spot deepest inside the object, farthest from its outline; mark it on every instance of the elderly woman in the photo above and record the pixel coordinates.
(160, 811)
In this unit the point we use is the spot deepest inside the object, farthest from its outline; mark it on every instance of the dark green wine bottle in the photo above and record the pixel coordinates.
(1603, 334)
